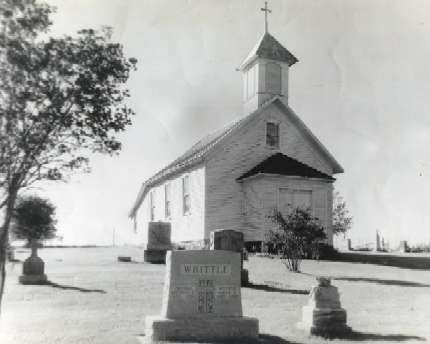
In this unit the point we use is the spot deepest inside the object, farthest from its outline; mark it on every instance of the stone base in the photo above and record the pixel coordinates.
(154, 256)
(331, 331)
(200, 329)
(244, 277)
(324, 321)
(125, 259)
(33, 279)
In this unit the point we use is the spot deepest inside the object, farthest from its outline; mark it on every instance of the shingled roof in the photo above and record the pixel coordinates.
(268, 47)
(284, 165)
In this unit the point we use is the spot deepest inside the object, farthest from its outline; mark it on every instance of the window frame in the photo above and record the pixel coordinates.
(276, 70)
(168, 200)
(152, 205)
(277, 137)
(186, 195)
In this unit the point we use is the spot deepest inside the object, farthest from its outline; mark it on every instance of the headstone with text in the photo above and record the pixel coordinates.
(158, 242)
(230, 240)
(201, 299)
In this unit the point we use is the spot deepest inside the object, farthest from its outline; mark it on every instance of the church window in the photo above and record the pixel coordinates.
(167, 200)
(186, 200)
(152, 205)
(272, 134)
(273, 78)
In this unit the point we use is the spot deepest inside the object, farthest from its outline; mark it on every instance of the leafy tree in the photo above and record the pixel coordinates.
(34, 219)
(342, 221)
(297, 234)
(61, 99)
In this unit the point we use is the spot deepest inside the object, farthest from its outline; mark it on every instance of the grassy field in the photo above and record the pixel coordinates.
(93, 298)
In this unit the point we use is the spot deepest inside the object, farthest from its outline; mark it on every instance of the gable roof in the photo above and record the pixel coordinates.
(284, 165)
(268, 47)
(199, 151)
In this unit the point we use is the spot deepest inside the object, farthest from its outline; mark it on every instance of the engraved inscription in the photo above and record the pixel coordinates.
(206, 296)
(226, 291)
(206, 269)
(184, 290)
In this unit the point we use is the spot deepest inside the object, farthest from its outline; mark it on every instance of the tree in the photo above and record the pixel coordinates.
(342, 221)
(61, 99)
(34, 219)
(297, 234)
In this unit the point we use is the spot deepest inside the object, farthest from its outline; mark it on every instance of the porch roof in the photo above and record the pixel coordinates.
(284, 165)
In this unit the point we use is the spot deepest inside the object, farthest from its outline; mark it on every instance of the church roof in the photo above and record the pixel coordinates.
(268, 47)
(284, 165)
(199, 151)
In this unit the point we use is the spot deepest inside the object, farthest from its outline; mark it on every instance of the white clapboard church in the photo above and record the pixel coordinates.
(235, 177)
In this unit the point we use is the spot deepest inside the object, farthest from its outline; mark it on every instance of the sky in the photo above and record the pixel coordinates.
(362, 86)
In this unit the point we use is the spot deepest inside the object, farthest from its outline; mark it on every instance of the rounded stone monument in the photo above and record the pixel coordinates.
(33, 268)
(323, 315)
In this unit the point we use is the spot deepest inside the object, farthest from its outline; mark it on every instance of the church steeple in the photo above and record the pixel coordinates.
(265, 71)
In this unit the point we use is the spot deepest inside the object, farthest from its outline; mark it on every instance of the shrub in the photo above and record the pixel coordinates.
(297, 235)
(342, 221)
(33, 219)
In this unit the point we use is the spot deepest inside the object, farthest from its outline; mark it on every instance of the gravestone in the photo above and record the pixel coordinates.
(33, 268)
(404, 246)
(230, 240)
(158, 242)
(377, 243)
(323, 315)
(201, 299)
(349, 244)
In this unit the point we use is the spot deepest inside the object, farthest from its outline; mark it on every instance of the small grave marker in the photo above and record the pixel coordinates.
(323, 315)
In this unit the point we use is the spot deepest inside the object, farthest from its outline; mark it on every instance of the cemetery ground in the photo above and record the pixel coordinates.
(93, 298)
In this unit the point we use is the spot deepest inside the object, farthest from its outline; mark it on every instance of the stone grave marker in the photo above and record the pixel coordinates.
(158, 242)
(323, 315)
(33, 268)
(404, 246)
(377, 242)
(230, 240)
(201, 299)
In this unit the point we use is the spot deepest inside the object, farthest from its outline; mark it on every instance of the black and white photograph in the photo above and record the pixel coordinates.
(214, 171)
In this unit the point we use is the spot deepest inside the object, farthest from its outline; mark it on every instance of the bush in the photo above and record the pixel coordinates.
(325, 251)
(297, 235)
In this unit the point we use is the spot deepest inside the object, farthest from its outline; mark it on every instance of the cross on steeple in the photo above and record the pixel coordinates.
(266, 10)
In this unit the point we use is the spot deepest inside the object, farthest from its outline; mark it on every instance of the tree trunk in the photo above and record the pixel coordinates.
(4, 236)
(33, 245)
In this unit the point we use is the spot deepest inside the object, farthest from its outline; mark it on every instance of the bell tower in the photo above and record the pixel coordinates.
(265, 71)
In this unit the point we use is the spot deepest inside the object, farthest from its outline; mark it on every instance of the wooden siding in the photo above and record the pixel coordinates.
(185, 227)
(261, 195)
(241, 152)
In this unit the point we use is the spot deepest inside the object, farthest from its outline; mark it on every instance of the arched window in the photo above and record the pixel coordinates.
(273, 78)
